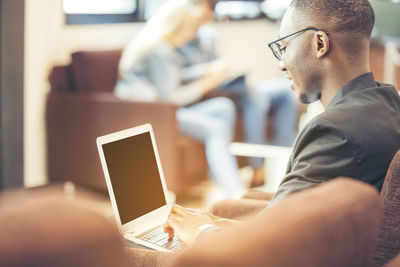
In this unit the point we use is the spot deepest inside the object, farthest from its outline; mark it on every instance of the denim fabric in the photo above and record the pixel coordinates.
(256, 102)
(212, 122)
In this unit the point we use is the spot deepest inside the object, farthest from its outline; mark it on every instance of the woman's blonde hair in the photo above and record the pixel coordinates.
(170, 21)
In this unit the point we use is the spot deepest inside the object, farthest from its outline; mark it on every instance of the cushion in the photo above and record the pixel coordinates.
(95, 70)
(389, 237)
(60, 79)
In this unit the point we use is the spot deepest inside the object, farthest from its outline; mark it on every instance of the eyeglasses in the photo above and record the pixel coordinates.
(277, 49)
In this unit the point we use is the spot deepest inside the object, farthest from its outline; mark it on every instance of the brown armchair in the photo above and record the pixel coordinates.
(81, 106)
(388, 241)
(316, 227)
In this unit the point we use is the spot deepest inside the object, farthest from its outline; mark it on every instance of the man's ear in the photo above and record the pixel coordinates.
(322, 43)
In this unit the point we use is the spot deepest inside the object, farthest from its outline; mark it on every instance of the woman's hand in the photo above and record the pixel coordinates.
(217, 72)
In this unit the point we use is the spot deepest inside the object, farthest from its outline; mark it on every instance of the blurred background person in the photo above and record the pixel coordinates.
(255, 101)
(150, 70)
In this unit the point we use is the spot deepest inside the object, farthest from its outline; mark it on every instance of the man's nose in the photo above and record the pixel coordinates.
(282, 65)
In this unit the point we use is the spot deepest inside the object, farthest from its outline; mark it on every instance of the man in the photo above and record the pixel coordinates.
(324, 51)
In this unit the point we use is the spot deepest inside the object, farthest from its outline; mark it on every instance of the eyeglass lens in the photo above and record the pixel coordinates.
(276, 49)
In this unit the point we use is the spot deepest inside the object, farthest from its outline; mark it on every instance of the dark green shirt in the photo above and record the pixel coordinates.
(356, 136)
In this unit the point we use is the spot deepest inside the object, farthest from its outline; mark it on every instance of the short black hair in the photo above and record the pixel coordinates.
(353, 16)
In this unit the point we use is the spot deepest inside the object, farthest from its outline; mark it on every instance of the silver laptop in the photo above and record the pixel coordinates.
(136, 185)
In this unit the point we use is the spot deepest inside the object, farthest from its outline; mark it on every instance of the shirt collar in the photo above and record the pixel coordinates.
(363, 81)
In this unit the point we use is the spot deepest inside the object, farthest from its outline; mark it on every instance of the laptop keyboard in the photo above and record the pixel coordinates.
(156, 236)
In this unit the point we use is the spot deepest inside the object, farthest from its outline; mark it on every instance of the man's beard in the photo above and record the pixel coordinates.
(310, 97)
(311, 81)
(314, 88)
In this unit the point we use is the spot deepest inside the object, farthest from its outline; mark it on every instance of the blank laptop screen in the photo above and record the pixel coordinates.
(134, 176)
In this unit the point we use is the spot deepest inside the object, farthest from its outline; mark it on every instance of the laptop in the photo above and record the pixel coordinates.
(136, 186)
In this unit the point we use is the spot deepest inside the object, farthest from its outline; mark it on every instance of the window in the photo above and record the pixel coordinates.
(102, 11)
(151, 6)
(109, 11)
(119, 11)
(99, 7)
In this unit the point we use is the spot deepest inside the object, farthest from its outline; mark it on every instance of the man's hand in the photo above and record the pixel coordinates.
(185, 223)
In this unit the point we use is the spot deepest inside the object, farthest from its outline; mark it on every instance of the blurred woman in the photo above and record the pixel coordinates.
(150, 70)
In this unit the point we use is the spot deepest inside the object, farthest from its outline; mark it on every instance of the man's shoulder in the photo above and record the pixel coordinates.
(327, 119)
(345, 122)
(361, 105)
(368, 121)
(322, 130)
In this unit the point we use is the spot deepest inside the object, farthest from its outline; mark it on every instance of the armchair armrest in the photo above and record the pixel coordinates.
(310, 228)
(48, 229)
(75, 120)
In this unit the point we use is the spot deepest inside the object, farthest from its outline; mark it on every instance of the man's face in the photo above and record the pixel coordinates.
(299, 62)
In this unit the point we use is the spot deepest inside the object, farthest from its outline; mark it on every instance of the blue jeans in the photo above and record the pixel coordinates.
(212, 122)
(270, 94)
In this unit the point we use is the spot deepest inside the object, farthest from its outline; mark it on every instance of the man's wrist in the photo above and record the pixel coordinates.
(207, 228)
(223, 222)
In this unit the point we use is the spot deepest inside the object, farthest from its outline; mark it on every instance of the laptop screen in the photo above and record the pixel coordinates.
(134, 176)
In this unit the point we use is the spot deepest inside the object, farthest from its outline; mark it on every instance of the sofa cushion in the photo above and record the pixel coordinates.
(60, 79)
(95, 70)
(388, 244)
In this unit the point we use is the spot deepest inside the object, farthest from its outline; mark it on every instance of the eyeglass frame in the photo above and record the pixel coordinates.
(280, 57)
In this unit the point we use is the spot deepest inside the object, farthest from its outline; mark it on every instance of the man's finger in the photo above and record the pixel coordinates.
(169, 230)
(174, 217)
(170, 225)
(178, 210)
(174, 220)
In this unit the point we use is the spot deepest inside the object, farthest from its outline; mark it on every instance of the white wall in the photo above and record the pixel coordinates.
(244, 44)
(49, 42)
